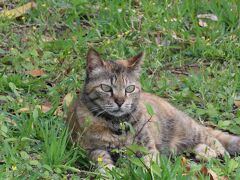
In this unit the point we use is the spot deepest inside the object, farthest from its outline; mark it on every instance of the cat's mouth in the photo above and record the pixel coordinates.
(118, 110)
(117, 113)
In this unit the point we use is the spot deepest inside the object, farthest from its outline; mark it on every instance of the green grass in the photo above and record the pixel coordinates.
(199, 72)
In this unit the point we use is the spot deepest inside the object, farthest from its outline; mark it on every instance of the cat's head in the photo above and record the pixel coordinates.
(112, 87)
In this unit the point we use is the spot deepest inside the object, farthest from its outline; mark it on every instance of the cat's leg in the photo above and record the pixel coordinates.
(152, 150)
(191, 134)
(102, 157)
(152, 156)
(216, 145)
(145, 139)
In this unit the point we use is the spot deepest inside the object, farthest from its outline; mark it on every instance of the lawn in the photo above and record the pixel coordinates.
(192, 59)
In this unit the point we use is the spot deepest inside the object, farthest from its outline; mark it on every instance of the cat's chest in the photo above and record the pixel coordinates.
(99, 133)
(112, 139)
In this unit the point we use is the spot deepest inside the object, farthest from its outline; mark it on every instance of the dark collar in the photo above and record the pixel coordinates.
(117, 129)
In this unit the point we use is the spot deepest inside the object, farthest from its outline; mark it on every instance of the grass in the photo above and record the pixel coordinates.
(196, 68)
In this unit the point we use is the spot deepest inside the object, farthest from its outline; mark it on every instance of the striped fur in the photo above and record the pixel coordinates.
(95, 117)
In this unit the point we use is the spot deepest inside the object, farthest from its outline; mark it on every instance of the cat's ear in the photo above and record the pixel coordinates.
(134, 63)
(94, 61)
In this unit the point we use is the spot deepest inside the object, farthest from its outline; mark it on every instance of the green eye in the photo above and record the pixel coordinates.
(106, 88)
(130, 89)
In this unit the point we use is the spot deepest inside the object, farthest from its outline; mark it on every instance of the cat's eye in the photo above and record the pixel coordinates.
(130, 89)
(106, 88)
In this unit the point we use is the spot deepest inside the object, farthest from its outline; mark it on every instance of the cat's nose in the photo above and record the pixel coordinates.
(119, 101)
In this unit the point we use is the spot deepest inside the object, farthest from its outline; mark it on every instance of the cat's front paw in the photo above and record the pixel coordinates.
(103, 169)
(109, 166)
(151, 157)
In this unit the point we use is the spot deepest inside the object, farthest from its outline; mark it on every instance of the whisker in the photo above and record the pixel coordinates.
(101, 112)
(94, 109)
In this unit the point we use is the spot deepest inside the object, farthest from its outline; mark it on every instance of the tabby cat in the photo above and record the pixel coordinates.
(112, 95)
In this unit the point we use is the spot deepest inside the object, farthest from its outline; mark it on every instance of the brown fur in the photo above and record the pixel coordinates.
(97, 129)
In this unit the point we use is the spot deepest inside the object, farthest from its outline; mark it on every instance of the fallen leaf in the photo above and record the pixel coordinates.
(45, 107)
(202, 23)
(204, 170)
(186, 164)
(36, 72)
(213, 175)
(24, 109)
(68, 99)
(19, 11)
(208, 172)
(237, 103)
(213, 17)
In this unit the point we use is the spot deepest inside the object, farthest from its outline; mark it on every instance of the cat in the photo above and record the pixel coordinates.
(112, 95)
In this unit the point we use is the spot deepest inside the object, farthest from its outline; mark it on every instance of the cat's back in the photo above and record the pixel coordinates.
(160, 106)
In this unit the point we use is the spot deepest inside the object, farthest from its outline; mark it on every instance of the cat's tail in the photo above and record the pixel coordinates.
(230, 142)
